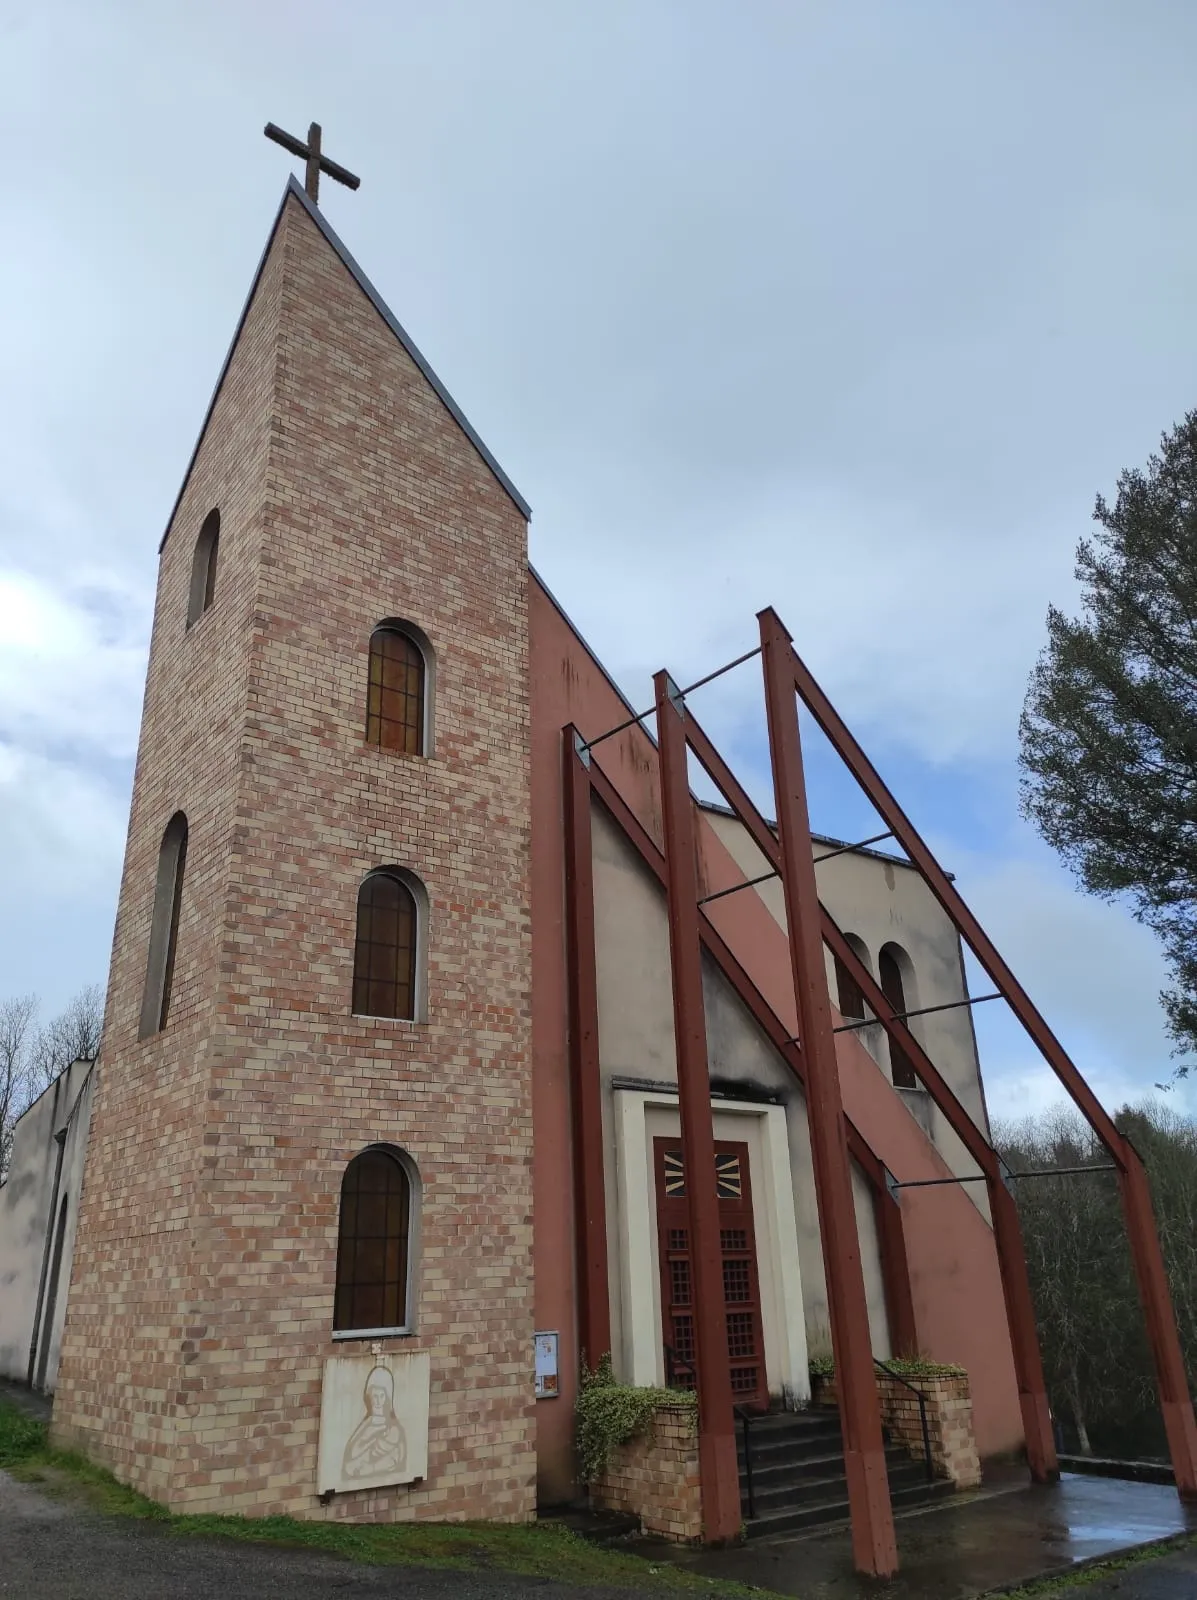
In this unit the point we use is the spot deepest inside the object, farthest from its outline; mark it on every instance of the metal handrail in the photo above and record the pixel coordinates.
(675, 1366)
(922, 1400)
(746, 1419)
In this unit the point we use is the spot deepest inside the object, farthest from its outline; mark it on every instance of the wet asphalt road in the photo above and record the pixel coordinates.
(1171, 1578)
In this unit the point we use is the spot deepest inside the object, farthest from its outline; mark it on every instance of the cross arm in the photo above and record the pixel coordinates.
(287, 140)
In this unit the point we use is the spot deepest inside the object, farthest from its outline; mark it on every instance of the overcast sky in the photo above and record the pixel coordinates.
(850, 308)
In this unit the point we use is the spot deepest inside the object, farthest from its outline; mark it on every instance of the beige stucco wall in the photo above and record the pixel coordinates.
(30, 1204)
(636, 1042)
(880, 902)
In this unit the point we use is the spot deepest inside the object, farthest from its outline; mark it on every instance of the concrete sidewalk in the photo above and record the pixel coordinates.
(1004, 1534)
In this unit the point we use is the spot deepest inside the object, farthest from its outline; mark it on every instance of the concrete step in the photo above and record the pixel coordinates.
(802, 1517)
(831, 1486)
(792, 1442)
(799, 1482)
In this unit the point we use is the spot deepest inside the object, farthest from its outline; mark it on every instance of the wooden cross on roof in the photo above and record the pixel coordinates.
(316, 162)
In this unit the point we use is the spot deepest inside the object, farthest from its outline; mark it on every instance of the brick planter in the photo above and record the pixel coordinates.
(949, 1422)
(655, 1477)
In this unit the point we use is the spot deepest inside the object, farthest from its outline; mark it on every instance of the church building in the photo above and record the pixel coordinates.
(384, 1138)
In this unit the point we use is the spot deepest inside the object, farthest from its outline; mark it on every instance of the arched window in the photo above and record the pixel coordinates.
(387, 953)
(164, 926)
(203, 568)
(396, 709)
(849, 998)
(379, 1199)
(893, 987)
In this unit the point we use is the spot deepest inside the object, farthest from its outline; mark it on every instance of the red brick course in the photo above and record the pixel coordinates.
(200, 1310)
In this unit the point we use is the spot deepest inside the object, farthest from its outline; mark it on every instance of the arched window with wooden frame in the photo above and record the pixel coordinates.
(388, 950)
(164, 927)
(376, 1244)
(898, 989)
(849, 996)
(398, 697)
(203, 568)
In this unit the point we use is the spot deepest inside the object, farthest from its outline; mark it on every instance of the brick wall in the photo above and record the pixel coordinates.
(655, 1476)
(949, 1422)
(201, 1307)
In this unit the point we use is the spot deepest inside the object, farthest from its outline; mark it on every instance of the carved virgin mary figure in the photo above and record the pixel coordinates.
(378, 1444)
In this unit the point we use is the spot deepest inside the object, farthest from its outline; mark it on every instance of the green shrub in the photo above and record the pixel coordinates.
(901, 1366)
(609, 1414)
(20, 1436)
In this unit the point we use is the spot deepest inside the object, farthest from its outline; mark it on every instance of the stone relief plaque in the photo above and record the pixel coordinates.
(373, 1421)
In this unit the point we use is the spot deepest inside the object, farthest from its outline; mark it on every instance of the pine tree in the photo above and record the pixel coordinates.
(1109, 728)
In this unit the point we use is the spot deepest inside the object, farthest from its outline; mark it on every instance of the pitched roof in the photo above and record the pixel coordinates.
(296, 189)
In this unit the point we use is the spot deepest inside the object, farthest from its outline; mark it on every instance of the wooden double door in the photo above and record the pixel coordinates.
(741, 1280)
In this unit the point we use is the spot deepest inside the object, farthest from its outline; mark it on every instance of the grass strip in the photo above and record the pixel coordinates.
(1084, 1577)
(531, 1549)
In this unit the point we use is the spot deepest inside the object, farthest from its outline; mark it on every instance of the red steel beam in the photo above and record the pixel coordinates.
(874, 1543)
(1042, 1459)
(590, 1211)
(895, 1265)
(1159, 1315)
(718, 1468)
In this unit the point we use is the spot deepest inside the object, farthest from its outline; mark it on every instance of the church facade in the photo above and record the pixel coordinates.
(321, 1257)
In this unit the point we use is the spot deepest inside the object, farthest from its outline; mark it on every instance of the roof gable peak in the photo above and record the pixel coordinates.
(295, 190)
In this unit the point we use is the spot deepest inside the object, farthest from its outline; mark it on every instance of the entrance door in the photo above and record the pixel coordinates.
(741, 1285)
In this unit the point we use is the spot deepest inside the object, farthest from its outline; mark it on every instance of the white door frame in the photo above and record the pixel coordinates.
(641, 1116)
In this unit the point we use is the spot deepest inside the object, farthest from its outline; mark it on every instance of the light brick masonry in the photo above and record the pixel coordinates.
(655, 1476)
(949, 1422)
(200, 1311)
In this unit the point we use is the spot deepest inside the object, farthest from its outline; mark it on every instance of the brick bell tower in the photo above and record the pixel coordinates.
(322, 946)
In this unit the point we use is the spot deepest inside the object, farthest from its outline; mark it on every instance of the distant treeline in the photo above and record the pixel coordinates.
(1098, 1366)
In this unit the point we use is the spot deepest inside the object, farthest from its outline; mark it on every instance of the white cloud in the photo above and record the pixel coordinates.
(62, 834)
(1091, 970)
(741, 321)
(72, 664)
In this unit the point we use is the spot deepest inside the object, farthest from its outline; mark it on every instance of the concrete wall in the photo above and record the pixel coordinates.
(636, 1041)
(880, 902)
(45, 1175)
(959, 1309)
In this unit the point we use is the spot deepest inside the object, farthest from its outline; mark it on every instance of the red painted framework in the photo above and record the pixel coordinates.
(832, 1132)
(718, 1468)
(899, 1298)
(1159, 1314)
(1016, 1285)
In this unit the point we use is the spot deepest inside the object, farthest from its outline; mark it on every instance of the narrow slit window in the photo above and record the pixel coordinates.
(374, 1245)
(849, 998)
(889, 976)
(203, 568)
(164, 927)
(396, 692)
(384, 957)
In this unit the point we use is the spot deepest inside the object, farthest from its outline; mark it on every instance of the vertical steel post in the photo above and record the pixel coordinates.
(895, 1271)
(1175, 1401)
(874, 1543)
(590, 1212)
(1159, 1315)
(1016, 1284)
(718, 1468)
(895, 1265)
